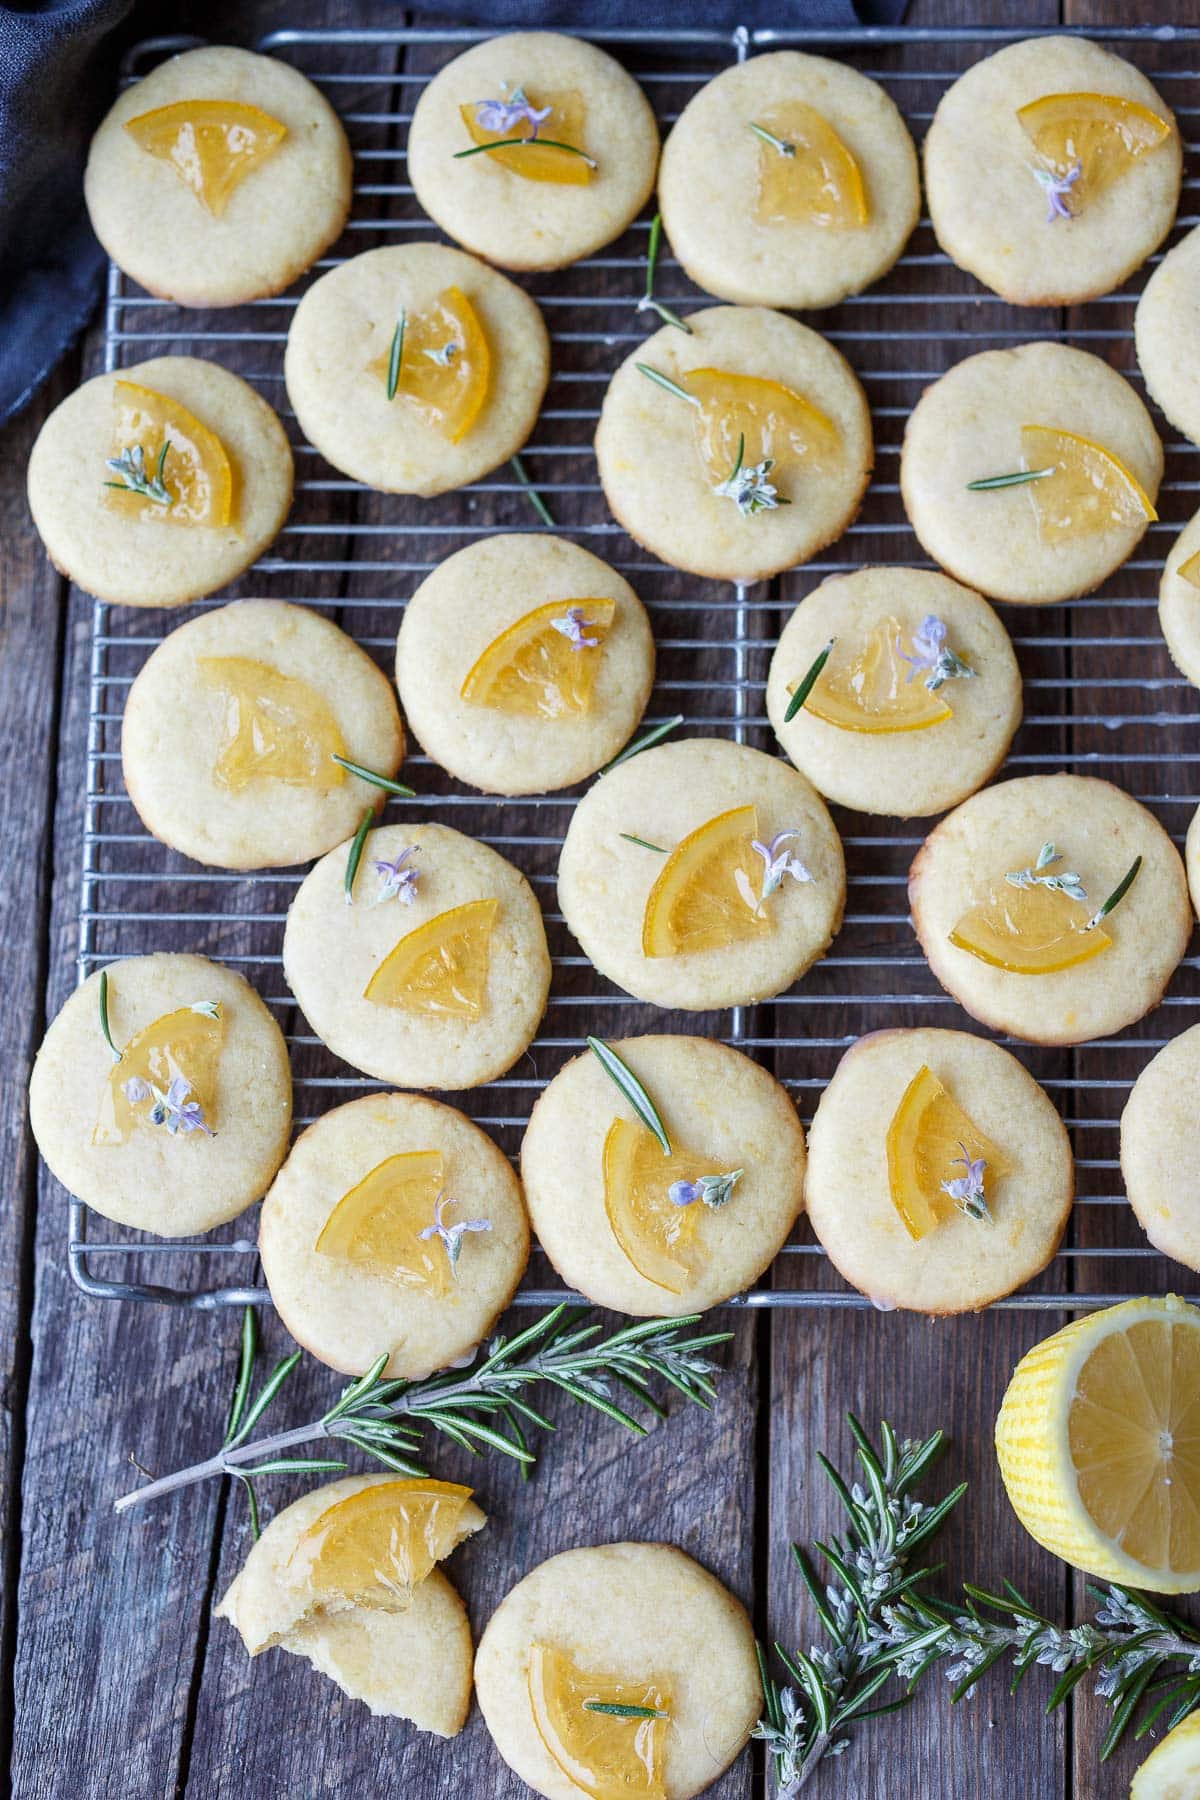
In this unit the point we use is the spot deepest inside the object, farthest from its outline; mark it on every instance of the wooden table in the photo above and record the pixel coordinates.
(114, 1682)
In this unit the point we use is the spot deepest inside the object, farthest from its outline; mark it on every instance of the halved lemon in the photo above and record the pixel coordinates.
(927, 1139)
(605, 1756)
(277, 727)
(651, 1230)
(534, 670)
(1099, 1444)
(1189, 569)
(1104, 134)
(1172, 1769)
(196, 472)
(183, 1043)
(441, 968)
(445, 364)
(820, 183)
(212, 145)
(708, 892)
(1091, 490)
(372, 1548)
(378, 1223)
(540, 162)
(770, 422)
(870, 690)
(1029, 930)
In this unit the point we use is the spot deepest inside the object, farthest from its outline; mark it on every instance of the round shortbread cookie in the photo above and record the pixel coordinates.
(493, 209)
(338, 358)
(464, 607)
(659, 487)
(1166, 330)
(1159, 1144)
(414, 1664)
(1192, 860)
(332, 951)
(182, 720)
(278, 218)
(1098, 831)
(713, 201)
(164, 1178)
(625, 1610)
(662, 796)
(340, 1307)
(967, 427)
(962, 1263)
(143, 558)
(904, 772)
(990, 212)
(717, 1106)
(1179, 602)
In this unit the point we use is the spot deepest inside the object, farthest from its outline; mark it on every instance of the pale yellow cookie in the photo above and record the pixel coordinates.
(817, 435)
(339, 361)
(524, 663)
(484, 201)
(1012, 542)
(873, 735)
(993, 215)
(636, 1612)
(231, 727)
(463, 1001)
(1167, 334)
(220, 1137)
(1097, 832)
(1179, 601)
(1160, 1137)
(393, 1290)
(167, 229)
(751, 221)
(125, 547)
(960, 1262)
(1191, 853)
(626, 919)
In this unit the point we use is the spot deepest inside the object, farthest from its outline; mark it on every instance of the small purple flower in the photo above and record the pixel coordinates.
(777, 862)
(396, 881)
(574, 626)
(172, 1109)
(714, 1190)
(966, 1191)
(451, 1235)
(1056, 189)
(505, 115)
(930, 655)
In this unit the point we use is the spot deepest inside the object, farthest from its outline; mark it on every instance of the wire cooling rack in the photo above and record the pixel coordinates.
(1101, 694)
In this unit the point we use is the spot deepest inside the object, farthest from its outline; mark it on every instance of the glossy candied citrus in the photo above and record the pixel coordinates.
(1172, 1770)
(372, 1548)
(771, 422)
(873, 689)
(534, 670)
(820, 183)
(538, 161)
(708, 894)
(651, 1230)
(181, 1044)
(1029, 930)
(212, 145)
(1091, 490)
(441, 968)
(378, 1224)
(603, 1755)
(445, 364)
(1189, 569)
(1101, 134)
(195, 472)
(928, 1139)
(276, 728)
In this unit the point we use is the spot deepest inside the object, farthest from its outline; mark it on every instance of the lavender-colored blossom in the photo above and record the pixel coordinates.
(1056, 189)
(396, 881)
(777, 862)
(574, 626)
(451, 1235)
(966, 1191)
(505, 115)
(714, 1190)
(930, 655)
(172, 1109)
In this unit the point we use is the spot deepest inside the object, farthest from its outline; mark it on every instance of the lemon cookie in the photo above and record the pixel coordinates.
(218, 178)
(161, 483)
(940, 1175)
(524, 663)
(416, 368)
(1054, 907)
(1179, 600)
(789, 180)
(395, 1224)
(436, 975)
(1159, 1143)
(621, 1622)
(737, 451)
(578, 157)
(344, 1578)
(1030, 474)
(702, 874)
(231, 730)
(1167, 335)
(915, 705)
(177, 1119)
(1052, 171)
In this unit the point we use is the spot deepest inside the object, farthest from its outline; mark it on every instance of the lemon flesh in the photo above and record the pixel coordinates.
(373, 1548)
(441, 968)
(534, 671)
(820, 183)
(276, 728)
(708, 894)
(539, 162)
(181, 1044)
(212, 145)
(927, 1139)
(195, 471)
(872, 691)
(606, 1757)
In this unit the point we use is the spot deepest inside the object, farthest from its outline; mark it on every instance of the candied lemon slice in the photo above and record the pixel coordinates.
(276, 727)
(372, 1548)
(378, 1224)
(770, 421)
(709, 892)
(928, 1140)
(1098, 1440)
(875, 689)
(1090, 491)
(212, 145)
(1189, 569)
(544, 665)
(441, 968)
(445, 364)
(1172, 1769)
(540, 162)
(181, 1045)
(606, 1757)
(193, 480)
(1102, 135)
(1029, 930)
(650, 1228)
(818, 183)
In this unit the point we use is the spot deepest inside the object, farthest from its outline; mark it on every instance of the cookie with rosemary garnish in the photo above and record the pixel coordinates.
(1030, 474)
(160, 483)
(524, 663)
(789, 180)
(415, 368)
(233, 728)
(533, 149)
(1160, 1138)
(1052, 170)
(895, 690)
(940, 1176)
(738, 449)
(1054, 907)
(395, 1224)
(1167, 336)
(591, 1679)
(161, 1096)
(343, 1578)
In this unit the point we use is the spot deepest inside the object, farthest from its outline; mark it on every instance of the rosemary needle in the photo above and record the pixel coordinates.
(624, 1078)
(664, 381)
(644, 843)
(535, 499)
(1016, 479)
(356, 850)
(616, 1710)
(523, 143)
(108, 1038)
(805, 687)
(654, 736)
(396, 355)
(1119, 892)
(375, 778)
(768, 137)
(648, 303)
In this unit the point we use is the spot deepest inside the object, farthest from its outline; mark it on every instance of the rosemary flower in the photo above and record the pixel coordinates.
(130, 470)
(573, 625)
(777, 862)
(172, 1108)
(445, 355)
(713, 1190)
(451, 1235)
(966, 1191)
(930, 655)
(396, 881)
(1066, 883)
(748, 487)
(505, 115)
(1057, 189)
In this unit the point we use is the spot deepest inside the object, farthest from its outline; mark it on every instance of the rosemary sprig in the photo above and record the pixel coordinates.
(769, 137)
(642, 843)
(648, 303)
(664, 381)
(396, 355)
(130, 466)
(356, 850)
(616, 1710)
(806, 685)
(1118, 894)
(375, 778)
(655, 735)
(104, 1025)
(1016, 479)
(520, 143)
(624, 1078)
(535, 499)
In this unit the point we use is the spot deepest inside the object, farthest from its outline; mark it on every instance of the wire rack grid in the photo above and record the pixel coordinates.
(1100, 690)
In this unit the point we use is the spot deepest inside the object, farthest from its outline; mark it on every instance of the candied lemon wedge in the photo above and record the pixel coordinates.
(808, 176)
(164, 463)
(533, 159)
(276, 727)
(1091, 490)
(1102, 135)
(874, 688)
(182, 1046)
(650, 1228)
(1029, 930)
(1189, 569)
(441, 968)
(771, 422)
(604, 1755)
(212, 145)
(709, 892)
(929, 1142)
(378, 1223)
(372, 1548)
(544, 665)
(445, 364)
